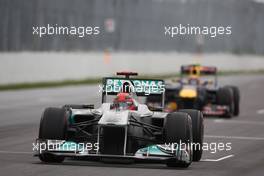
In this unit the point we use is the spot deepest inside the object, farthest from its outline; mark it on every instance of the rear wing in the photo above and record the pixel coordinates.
(198, 70)
(141, 87)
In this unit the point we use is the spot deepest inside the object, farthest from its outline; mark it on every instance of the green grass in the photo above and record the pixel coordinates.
(33, 85)
(241, 72)
(45, 84)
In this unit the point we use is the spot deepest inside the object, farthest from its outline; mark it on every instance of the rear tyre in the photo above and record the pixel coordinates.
(53, 125)
(178, 129)
(197, 132)
(225, 97)
(236, 99)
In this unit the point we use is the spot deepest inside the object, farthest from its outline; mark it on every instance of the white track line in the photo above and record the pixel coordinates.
(235, 137)
(261, 111)
(238, 122)
(219, 159)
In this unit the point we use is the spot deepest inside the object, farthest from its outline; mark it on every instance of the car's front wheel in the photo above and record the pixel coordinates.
(225, 97)
(236, 99)
(178, 130)
(198, 132)
(53, 125)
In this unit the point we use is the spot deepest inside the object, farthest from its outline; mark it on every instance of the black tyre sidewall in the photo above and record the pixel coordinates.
(198, 131)
(178, 128)
(53, 125)
(225, 97)
(236, 99)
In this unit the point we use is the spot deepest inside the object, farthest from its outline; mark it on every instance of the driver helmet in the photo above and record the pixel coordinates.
(124, 101)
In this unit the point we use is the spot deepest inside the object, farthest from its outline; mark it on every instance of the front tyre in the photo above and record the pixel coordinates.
(225, 97)
(197, 132)
(178, 130)
(236, 99)
(53, 125)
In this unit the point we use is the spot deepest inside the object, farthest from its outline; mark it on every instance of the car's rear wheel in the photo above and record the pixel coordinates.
(197, 132)
(178, 130)
(225, 97)
(53, 125)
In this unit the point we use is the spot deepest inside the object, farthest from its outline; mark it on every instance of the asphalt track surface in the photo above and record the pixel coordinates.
(20, 114)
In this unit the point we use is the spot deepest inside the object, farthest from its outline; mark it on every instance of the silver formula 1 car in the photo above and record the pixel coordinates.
(122, 129)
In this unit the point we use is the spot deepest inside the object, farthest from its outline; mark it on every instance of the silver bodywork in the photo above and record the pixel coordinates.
(111, 117)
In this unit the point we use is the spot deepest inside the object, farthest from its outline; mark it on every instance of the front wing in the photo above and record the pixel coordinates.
(160, 153)
(215, 110)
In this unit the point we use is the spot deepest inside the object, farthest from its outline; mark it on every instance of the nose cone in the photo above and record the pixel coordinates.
(188, 93)
(114, 118)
